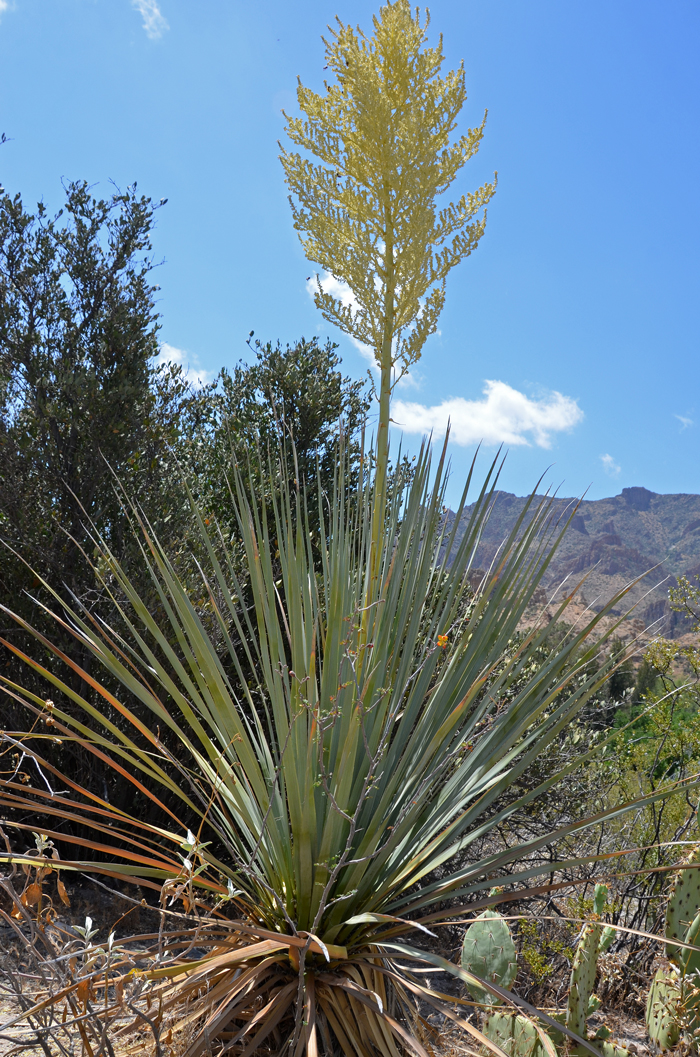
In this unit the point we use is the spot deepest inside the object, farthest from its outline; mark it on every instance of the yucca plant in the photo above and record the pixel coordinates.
(344, 718)
(346, 747)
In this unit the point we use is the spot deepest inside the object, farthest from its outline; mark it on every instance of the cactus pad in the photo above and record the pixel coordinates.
(683, 904)
(662, 1009)
(585, 966)
(610, 1049)
(488, 951)
(606, 939)
(517, 1035)
(689, 961)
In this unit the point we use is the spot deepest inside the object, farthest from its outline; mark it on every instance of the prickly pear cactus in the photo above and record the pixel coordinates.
(594, 939)
(673, 1006)
(689, 961)
(488, 951)
(606, 939)
(674, 1003)
(517, 1035)
(610, 1049)
(683, 905)
(663, 1008)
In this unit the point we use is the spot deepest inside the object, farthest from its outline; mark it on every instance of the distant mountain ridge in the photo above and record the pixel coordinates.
(614, 540)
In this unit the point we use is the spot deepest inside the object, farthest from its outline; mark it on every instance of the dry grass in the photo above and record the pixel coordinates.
(66, 990)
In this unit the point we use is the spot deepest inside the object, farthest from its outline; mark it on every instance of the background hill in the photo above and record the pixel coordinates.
(614, 540)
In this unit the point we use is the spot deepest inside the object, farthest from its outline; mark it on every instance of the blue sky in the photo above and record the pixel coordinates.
(572, 333)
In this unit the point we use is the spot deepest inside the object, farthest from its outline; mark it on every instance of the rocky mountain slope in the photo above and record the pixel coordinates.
(615, 541)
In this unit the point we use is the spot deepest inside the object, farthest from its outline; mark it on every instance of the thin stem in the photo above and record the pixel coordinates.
(386, 365)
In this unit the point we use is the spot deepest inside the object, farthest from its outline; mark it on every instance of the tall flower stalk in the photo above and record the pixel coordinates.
(366, 205)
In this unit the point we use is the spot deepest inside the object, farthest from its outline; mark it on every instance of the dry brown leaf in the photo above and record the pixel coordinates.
(62, 893)
(83, 992)
(31, 895)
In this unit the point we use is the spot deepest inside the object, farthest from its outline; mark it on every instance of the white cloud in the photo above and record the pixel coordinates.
(4, 6)
(610, 466)
(684, 421)
(505, 416)
(334, 287)
(410, 380)
(193, 373)
(153, 20)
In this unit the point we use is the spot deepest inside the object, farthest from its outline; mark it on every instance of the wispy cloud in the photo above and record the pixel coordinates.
(4, 6)
(154, 21)
(189, 364)
(610, 466)
(684, 421)
(333, 286)
(504, 416)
